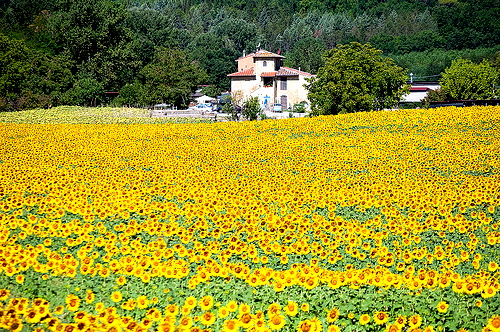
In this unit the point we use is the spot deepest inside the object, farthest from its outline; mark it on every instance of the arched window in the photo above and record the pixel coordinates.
(264, 64)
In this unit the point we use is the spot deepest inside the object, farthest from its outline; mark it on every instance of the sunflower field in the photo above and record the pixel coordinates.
(381, 221)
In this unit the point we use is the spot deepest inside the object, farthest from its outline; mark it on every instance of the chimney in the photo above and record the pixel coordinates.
(244, 53)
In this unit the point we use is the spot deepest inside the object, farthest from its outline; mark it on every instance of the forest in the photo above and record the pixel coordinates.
(75, 52)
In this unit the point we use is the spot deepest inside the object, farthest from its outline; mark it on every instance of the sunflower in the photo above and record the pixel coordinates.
(79, 316)
(208, 318)
(333, 328)
(89, 297)
(291, 309)
(364, 319)
(20, 278)
(415, 321)
(316, 325)
(488, 291)
(154, 314)
(171, 310)
(116, 296)
(99, 307)
(333, 315)
(206, 302)
(167, 324)
(276, 322)
(244, 309)
(230, 325)
(494, 323)
(121, 280)
(273, 309)
(400, 321)
(232, 306)
(31, 316)
(442, 307)
(51, 323)
(393, 328)
(130, 304)
(142, 302)
(59, 310)
(72, 302)
(185, 323)
(223, 312)
(380, 317)
(185, 310)
(15, 325)
(4, 294)
(305, 326)
(246, 320)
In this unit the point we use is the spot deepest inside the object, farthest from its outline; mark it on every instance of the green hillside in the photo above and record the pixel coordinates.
(69, 51)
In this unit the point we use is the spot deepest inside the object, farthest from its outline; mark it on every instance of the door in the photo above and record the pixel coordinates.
(284, 102)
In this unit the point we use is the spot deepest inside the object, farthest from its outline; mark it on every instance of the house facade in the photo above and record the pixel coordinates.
(262, 74)
(418, 91)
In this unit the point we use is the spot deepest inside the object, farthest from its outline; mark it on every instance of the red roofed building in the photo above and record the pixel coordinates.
(418, 91)
(262, 74)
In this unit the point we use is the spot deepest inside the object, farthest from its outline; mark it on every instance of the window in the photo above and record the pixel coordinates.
(264, 64)
(283, 83)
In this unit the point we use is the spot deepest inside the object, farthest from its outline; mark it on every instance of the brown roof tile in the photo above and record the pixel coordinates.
(286, 71)
(262, 54)
(268, 74)
(246, 72)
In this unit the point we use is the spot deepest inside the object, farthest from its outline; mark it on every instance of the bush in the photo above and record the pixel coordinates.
(300, 107)
(251, 108)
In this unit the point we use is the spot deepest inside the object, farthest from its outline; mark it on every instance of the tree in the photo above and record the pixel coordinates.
(434, 95)
(467, 80)
(306, 55)
(356, 78)
(15, 61)
(214, 57)
(85, 27)
(30, 78)
(131, 94)
(251, 108)
(171, 78)
(85, 92)
(237, 34)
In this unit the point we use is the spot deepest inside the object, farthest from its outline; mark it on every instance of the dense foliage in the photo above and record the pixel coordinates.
(356, 78)
(105, 44)
(467, 80)
(368, 222)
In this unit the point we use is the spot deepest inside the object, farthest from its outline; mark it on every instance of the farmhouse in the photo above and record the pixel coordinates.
(262, 74)
(418, 91)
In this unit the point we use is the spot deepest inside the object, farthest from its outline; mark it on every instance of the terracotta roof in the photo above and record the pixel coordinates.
(267, 54)
(268, 74)
(285, 71)
(419, 88)
(262, 54)
(246, 72)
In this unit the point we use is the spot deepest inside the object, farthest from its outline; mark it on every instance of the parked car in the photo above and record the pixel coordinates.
(277, 108)
(204, 108)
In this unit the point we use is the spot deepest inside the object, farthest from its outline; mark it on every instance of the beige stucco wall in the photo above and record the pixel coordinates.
(246, 85)
(249, 86)
(245, 63)
(295, 92)
(259, 65)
